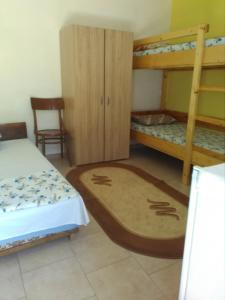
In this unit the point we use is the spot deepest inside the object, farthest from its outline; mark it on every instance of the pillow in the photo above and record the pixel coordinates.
(154, 119)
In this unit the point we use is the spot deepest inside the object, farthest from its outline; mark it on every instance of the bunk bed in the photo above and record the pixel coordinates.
(154, 53)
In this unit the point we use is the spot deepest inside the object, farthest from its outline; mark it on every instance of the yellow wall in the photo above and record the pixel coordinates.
(186, 13)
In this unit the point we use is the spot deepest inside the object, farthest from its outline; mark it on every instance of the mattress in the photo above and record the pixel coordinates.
(176, 133)
(21, 159)
(178, 47)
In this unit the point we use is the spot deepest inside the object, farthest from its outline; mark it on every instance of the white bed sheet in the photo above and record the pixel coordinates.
(21, 157)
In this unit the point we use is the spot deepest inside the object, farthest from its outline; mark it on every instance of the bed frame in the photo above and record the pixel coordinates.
(200, 156)
(213, 56)
(12, 131)
(196, 59)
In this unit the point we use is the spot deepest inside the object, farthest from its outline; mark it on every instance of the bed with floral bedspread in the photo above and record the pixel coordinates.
(36, 201)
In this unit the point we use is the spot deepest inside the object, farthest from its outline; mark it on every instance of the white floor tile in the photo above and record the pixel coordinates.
(42, 255)
(124, 281)
(96, 251)
(57, 281)
(11, 285)
(168, 280)
(153, 264)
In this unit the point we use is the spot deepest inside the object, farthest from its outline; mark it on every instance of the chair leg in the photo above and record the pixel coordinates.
(61, 144)
(68, 150)
(36, 140)
(43, 145)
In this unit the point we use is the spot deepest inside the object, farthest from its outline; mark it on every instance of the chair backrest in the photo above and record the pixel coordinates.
(47, 104)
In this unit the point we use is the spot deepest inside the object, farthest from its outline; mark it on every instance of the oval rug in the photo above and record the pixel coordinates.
(135, 209)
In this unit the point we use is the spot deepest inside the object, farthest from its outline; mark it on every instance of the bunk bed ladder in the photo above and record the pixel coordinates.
(195, 89)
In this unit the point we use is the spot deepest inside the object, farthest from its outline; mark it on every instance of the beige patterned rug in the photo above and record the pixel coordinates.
(136, 210)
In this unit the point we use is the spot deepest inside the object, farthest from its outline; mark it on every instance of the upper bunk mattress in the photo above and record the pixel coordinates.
(148, 50)
(176, 133)
(33, 193)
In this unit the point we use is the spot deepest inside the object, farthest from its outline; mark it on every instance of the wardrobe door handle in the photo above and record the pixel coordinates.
(108, 100)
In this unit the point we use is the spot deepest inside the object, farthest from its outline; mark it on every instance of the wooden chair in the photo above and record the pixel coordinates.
(49, 136)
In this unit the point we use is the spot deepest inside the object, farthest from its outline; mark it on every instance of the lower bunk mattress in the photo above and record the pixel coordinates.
(209, 139)
(35, 199)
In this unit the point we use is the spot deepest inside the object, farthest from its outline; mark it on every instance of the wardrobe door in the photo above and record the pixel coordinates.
(89, 94)
(67, 76)
(118, 79)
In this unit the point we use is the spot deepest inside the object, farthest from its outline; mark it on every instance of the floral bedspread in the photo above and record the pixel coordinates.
(180, 47)
(41, 188)
(176, 133)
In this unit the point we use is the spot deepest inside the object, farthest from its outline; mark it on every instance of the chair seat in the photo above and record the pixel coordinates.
(49, 136)
(50, 132)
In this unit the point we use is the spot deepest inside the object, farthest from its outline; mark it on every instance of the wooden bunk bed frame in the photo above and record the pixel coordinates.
(196, 59)
(213, 57)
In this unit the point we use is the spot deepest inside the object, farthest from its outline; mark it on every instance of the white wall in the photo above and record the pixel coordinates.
(147, 87)
(29, 48)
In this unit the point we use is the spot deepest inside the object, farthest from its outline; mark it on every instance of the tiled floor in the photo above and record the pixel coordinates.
(91, 266)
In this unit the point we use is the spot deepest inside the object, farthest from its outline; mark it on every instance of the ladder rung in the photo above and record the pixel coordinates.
(213, 121)
(205, 88)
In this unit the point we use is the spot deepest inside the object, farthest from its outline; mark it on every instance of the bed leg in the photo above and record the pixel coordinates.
(186, 173)
(69, 236)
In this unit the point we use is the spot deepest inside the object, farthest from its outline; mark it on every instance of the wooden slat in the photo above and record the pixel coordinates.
(209, 120)
(204, 157)
(213, 57)
(193, 105)
(166, 147)
(37, 242)
(171, 35)
(205, 88)
(203, 121)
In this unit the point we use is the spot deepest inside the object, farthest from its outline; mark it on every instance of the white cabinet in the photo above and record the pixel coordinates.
(203, 270)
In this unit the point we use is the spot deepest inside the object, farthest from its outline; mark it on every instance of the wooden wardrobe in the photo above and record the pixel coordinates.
(96, 69)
